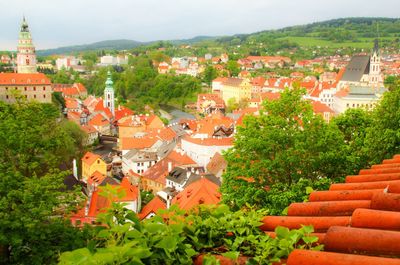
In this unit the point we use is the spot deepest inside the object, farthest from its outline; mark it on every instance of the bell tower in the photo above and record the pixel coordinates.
(109, 94)
(374, 65)
(26, 57)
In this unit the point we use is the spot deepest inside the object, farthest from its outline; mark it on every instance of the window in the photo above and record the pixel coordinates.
(25, 88)
(6, 96)
(44, 88)
(16, 88)
(44, 96)
(6, 87)
(34, 88)
(34, 96)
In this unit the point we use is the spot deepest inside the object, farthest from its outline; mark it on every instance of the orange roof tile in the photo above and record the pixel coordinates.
(152, 207)
(89, 158)
(199, 192)
(96, 178)
(24, 79)
(228, 141)
(367, 207)
(137, 143)
(319, 107)
(98, 120)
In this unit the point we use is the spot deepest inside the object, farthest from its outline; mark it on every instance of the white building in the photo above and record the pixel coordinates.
(201, 150)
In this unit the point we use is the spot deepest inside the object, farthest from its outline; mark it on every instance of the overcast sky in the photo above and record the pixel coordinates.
(56, 23)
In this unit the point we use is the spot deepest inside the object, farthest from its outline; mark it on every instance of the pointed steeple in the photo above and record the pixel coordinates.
(26, 57)
(376, 47)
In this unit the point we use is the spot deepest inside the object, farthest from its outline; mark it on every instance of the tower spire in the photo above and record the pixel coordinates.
(109, 94)
(26, 57)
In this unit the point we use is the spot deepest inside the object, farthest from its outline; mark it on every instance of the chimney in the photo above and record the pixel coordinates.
(75, 169)
(168, 201)
(169, 166)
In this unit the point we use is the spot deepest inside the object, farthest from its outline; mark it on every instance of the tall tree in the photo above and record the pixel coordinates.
(34, 142)
(285, 143)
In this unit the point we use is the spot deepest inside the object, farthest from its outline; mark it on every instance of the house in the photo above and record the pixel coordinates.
(101, 124)
(235, 88)
(323, 110)
(31, 86)
(201, 150)
(92, 134)
(97, 204)
(201, 192)
(76, 90)
(130, 125)
(154, 179)
(151, 208)
(138, 161)
(178, 177)
(357, 97)
(208, 103)
(217, 165)
(90, 163)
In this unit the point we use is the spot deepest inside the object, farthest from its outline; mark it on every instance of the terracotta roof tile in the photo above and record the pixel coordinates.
(202, 191)
(152, 207)
(24, 79)
(367, 209)
(89, 158)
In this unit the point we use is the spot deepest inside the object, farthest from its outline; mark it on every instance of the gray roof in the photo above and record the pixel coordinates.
(140, 156)
(357, 67)
(210, 177)
(179, 175)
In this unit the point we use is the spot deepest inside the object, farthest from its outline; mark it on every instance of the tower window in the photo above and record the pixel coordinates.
(27, 61)
(109, 97)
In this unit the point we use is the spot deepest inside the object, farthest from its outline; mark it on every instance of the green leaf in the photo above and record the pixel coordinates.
(281, 232)
(309, 190)
(234, 255)
(154, 228)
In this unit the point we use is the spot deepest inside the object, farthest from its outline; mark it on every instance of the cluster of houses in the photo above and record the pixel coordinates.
(179, 163)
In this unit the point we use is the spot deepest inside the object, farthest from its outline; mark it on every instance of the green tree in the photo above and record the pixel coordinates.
(285, 143)
(34, 142)
(210, 73)
(382, 138)
(233, 67)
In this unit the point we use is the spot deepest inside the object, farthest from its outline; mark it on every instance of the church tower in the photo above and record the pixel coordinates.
(109, 94)
(26, 57)
(374, 66)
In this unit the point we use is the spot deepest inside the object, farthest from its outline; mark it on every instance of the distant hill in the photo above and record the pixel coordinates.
(352, 32)
(115, 45)
(101, 45)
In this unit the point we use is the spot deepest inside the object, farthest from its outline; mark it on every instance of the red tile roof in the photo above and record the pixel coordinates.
(89, 158)
(137, 143)
(152, 207)
(121, 112)
(202, 191)
(360, 216)
(99, 120)
(96, 178)
(24, 79)
(319, 107)
(228, 141)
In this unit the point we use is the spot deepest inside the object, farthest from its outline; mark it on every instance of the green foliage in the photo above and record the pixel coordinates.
(209, 74)
(172, 237)
(382, 139)
(285, 143)
(34, 142)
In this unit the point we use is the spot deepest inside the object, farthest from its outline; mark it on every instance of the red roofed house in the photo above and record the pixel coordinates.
(129, 125)
(154, 179)
(91, 163)
(77, 90)
(27, 83)
(33, 87)
(208, 103)
(217, 165)
(98, 204)
(101, 124)
(201, 150)
(151, 208)
(199, 192)
(321, 109)
(92, 134)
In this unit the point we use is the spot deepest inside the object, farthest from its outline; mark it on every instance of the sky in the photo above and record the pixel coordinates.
(57, 23)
